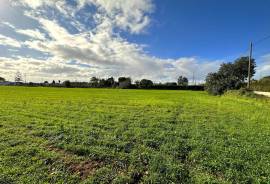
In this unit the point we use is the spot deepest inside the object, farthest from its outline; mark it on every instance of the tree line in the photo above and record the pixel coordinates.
(126, 83)
(122, 82)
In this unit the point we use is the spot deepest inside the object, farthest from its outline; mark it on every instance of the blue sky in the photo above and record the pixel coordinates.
(208, 29)
(158, 39)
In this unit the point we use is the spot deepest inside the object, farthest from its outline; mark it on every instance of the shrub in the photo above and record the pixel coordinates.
(261, 85)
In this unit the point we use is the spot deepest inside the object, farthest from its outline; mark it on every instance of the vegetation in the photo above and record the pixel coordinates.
(18, 77)
(244, 92)
(145, 84)
(262, 84)
(231, 76)
(123, 83)
(67, 135)
(2, 79)
(182, 81)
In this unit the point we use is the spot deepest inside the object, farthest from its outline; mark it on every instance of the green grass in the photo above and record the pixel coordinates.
(53, 135)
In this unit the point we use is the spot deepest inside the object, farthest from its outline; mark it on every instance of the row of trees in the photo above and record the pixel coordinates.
(124, 82)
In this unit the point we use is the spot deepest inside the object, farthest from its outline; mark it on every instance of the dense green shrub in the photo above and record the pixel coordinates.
(261, 85)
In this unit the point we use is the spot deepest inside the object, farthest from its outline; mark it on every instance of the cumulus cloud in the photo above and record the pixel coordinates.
(98, 51)
(264, 68)
(128, 15)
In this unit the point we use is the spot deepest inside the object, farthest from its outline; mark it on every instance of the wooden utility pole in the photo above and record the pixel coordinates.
(249, 64)
(193, 80)
(25, 78)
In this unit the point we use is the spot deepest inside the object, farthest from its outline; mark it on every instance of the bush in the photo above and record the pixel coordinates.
(261, 85)
(244, 92)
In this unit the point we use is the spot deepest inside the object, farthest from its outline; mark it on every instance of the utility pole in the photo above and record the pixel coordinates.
(25, 78)
(249, 64)
(193, 81)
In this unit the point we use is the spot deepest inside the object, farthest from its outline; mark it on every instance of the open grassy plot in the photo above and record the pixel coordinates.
(53, 135)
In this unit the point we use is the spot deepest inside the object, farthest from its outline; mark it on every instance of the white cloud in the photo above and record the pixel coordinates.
(7, 24)
(7, 41)
(101, 48)
(35, 34)
(264, 68)
(128, 15)
(34, 3)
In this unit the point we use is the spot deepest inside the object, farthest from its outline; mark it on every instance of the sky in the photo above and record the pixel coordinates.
(153, 39)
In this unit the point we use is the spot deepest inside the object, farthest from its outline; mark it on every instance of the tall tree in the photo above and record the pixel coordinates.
(241, 68)
(182, 81)
(110, 82)
(94, 82)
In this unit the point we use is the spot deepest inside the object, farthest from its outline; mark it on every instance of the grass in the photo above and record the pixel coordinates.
(54, 135)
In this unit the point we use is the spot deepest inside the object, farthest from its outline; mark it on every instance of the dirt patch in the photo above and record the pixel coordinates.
(84, 169)
(81, 168)
(262, 93)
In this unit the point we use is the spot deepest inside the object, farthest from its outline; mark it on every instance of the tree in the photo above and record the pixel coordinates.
(110, 82)
(137, 83)
(229, 76)
(102, 83)
(67, 84)
(241, 68)
(2, 79)
(53, 82)
(145, 84)
(214, 84)
(94, 82)
(18, 77)
(182, 81)
(124, 82)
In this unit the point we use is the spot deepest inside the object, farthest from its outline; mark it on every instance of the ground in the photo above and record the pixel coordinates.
(54, 135)
(262, 93)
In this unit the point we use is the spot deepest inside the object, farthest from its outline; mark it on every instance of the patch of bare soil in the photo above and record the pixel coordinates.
(262, 93)
(81, 168)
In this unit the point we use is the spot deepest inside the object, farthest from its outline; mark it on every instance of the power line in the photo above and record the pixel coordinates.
(261, 40)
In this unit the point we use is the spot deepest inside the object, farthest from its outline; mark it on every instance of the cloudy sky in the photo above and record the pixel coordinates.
(155, 39)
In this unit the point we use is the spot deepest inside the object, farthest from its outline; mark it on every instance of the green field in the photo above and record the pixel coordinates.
(54, 135)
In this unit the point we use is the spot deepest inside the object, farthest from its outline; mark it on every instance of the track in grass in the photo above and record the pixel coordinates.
(58, 135)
